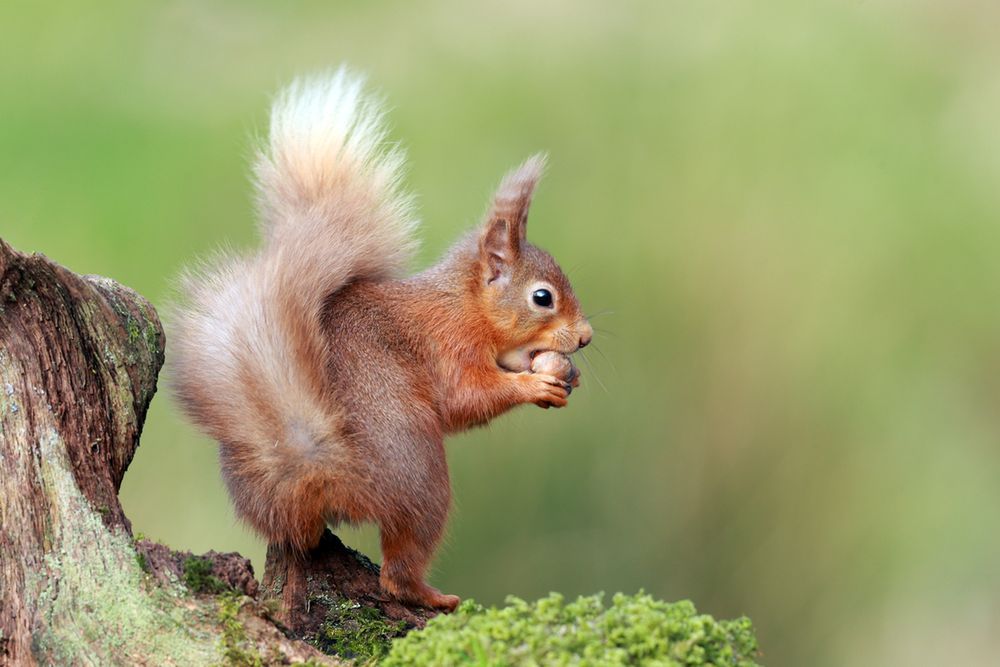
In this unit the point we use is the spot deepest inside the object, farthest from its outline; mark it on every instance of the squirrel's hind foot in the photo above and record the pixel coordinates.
(443, 601)
(421, 594)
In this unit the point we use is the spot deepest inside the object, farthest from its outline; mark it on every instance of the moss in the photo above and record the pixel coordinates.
(112, 293)
(152, 336)
(633, 630)
(236, 649)
(198, 576)
(133, 330)
(113, 370)
(140, 558)
(143, 344)
(356, 632)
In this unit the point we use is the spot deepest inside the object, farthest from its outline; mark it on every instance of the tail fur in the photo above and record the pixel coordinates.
(247, 347)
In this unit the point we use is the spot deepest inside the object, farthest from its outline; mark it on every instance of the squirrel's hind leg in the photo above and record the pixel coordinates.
(406, 553)
(412, 523)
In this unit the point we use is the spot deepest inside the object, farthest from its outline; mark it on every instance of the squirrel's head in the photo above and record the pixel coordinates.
(527, 296)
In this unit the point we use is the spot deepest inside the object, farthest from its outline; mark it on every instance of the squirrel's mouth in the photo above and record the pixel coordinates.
(518, 360)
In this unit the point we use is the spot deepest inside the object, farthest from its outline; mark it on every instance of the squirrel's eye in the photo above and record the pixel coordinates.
(542, 297)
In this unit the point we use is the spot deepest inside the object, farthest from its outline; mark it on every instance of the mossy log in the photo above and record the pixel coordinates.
(311, 587)
(79, 358)
(78, 363)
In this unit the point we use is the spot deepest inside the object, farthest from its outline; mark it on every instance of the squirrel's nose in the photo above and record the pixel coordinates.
(586, 335)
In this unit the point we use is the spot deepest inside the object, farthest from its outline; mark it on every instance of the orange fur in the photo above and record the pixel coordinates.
(329, 380)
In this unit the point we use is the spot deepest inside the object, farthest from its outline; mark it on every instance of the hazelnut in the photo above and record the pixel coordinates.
(557, 365)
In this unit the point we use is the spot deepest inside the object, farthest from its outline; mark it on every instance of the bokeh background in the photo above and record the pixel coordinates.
(787, 215)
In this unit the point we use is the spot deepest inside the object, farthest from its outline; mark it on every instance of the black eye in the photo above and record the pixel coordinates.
(542, 297)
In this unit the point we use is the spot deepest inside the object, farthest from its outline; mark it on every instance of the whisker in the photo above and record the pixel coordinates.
(599, 314)
(593, 371)
(607, 359)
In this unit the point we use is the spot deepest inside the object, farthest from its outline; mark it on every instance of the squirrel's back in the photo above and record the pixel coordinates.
(247, 350)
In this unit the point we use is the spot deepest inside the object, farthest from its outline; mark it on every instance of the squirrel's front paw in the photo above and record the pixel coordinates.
(545, 391)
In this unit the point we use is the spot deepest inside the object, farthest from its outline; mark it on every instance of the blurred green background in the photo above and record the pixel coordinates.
(792, 211)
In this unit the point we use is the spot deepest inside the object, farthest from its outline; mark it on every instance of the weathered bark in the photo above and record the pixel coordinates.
(79, 357)
(78, 363)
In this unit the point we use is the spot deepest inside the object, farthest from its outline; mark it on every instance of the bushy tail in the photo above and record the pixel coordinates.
(247, 349)
(327, 187)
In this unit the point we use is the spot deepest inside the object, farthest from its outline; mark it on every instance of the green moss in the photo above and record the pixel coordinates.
(133, 331)
(198, 576)
(140, 558)
(151, 335)
(633, 630)
(236, 651)
(144, 337)
(356, 632)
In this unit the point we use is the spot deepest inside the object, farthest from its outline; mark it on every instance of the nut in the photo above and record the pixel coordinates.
(556, 364)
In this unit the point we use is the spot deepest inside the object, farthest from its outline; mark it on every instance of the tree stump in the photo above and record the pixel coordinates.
(79, 358)
(78, 363)
(311, 586)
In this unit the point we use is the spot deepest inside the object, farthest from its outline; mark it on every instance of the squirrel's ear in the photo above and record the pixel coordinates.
(499, 249)
(507, 222)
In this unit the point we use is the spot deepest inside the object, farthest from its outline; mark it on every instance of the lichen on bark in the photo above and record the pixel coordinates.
(76, 609)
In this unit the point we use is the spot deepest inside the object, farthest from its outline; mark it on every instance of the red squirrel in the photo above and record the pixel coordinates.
(328, 378)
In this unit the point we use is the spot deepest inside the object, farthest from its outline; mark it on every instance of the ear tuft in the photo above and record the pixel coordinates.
(513, 198)
(506, 224)
(505, 228)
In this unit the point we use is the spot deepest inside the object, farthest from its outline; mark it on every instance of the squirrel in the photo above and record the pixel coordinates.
(328, 378)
